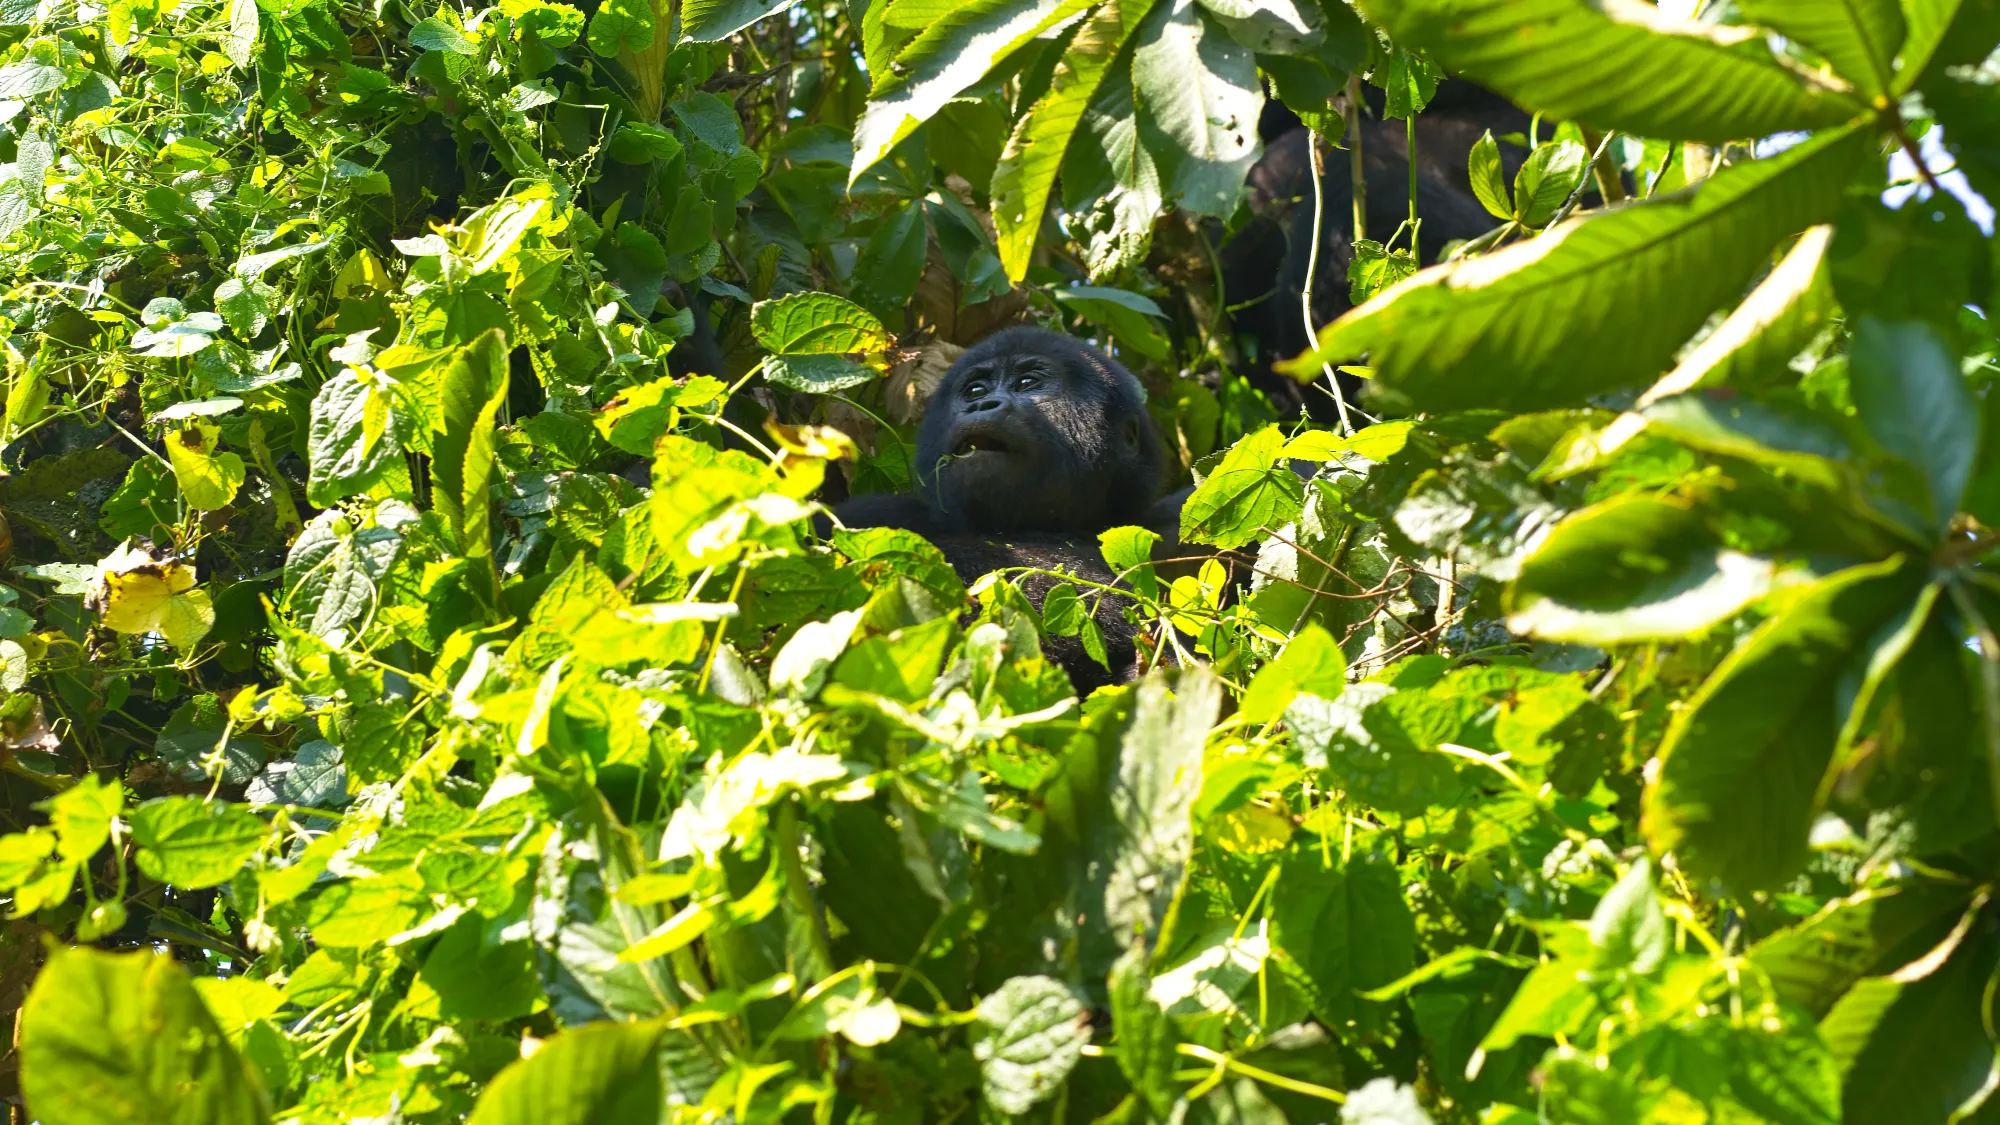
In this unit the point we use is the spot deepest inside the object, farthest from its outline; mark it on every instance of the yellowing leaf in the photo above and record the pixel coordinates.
(145, 590)
(208, 479)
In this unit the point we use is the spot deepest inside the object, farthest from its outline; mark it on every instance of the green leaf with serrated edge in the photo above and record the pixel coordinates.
(1028, 164)
(1788, 309)
(462, 463)
(1636, 567)
(1198, 102)
(1344, 922)
(1129, 553)
(344, 453)
(241, 42)
(1613, 295)
(1145, 1036)
(949, 55)
(605, 1073)
(1031, 1033)
(1741, 766)
(1913, 1046)
(189, 842)
(112, 1039)
(817, 324)
(1624, 66)
(1249, 491)
(1629, 928)
(1311, 661)
(1872, 932)
(1859, 37)
(208, 479)
(1488, 185)
(818, 374)
(1546, 180)
(712, 21)
(1909, 393)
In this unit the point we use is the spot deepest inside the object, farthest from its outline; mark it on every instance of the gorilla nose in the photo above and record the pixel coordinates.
(983, 405)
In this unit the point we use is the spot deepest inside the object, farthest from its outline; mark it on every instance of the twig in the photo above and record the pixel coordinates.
(1317, 171)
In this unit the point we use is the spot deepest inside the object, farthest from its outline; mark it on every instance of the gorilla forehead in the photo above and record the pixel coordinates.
(1083, 367)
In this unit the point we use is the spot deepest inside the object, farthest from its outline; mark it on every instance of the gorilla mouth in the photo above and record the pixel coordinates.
(980, 441)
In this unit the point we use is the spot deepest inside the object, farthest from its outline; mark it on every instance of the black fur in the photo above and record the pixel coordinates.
(1031, 445)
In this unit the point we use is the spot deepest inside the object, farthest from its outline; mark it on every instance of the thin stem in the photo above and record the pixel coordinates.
(1318, 171)
(1356, 173)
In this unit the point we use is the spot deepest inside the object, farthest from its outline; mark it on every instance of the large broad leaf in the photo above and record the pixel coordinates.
(1791, 306)
(1637, 567)
(1913, 1046)
(1593, 304)
(1618, 64)
(712, 21)
(123, 1039)
(598, 1074)
(1199, 99)
(1741, 765)
(1908, 390)
(1031, 1033)
(190, 842)
(1027, 168)
(1110, 182)
(1251, 491)
(462, 455)
(1345, 923)
(817, 324)
(1869, 933)
(1859, 37)
(950, 55)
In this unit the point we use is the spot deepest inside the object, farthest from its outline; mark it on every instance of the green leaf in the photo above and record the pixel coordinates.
(1035, 150)
(1376, 268)
(332, 571)
(1788, 309)
(1145, 1036)
(818, 374)
(114, 1039)
(1637, 567)
(1914, 1046)
(1859, 37)
(1624, 67)
(1128, 315)
(1869, 933)
(1198, 100)
(1345, 923)
(950, 55)
(1546, 180)
(712, 21)
(1740, 767)
(1031, 1033)
(1251, 490)
(892, 263)
(1275, 27)
(1908, 391)
(240, 45)
(1311, 662)
(349, 445)
(1129, 553)
(191, 843)
(1488, 185)
(636, 142)
(1629, 928)
(621, 26)
(598, 1074)
(462, 454)
(1611, 296)
(817, 324)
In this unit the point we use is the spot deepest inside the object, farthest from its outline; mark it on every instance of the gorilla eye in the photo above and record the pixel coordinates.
(1025, 382)
(975, 389)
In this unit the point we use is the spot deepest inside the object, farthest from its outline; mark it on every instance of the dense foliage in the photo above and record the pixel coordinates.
(428, 700)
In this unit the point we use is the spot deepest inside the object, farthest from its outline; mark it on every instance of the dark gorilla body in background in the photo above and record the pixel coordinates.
(1032, 444)
(1281, 198)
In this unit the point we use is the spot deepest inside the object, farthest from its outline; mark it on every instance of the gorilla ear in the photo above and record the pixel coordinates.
(1131, 432)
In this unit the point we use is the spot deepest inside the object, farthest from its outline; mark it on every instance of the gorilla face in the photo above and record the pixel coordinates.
(1031, 430)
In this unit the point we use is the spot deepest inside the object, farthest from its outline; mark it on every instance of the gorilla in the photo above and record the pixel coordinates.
(1032, 444)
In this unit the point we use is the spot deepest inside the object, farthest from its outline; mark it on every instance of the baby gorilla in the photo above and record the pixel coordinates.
(1031, 445)
(1028, 431)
